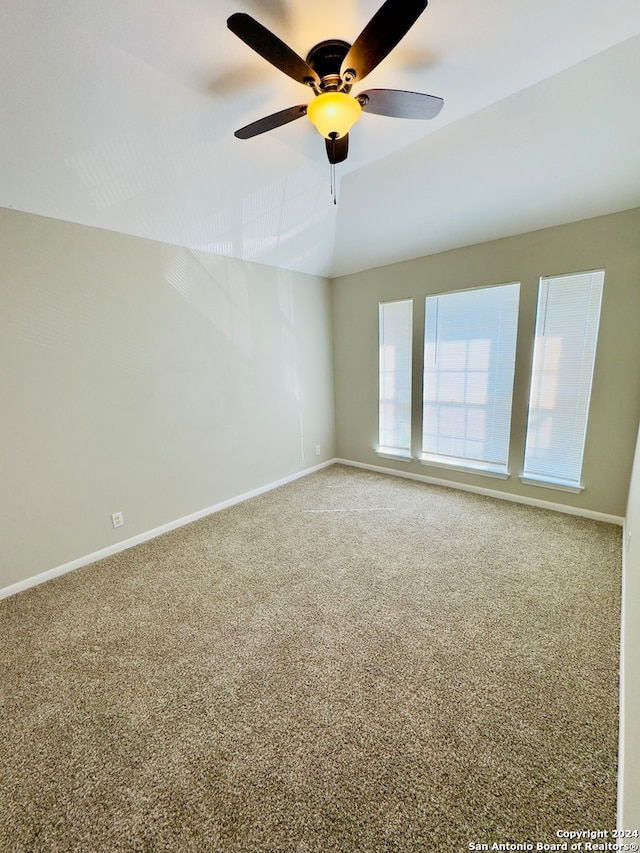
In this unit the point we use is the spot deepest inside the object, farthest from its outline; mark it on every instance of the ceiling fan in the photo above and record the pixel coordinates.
(331, 68)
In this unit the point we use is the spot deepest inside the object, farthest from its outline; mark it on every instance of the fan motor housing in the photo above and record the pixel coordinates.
(326, 59)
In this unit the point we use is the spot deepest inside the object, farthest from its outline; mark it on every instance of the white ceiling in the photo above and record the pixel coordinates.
(121, 115)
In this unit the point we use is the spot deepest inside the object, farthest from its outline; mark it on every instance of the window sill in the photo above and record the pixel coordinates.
(466, 469)
(398, 455)
(547, 484)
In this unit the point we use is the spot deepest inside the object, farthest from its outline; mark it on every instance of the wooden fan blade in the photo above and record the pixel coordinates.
(399, 104)
(271, 122)
(383, 32)
(338, 149)
(271, 48)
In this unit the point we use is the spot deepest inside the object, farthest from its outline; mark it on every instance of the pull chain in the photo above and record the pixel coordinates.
(333, 167)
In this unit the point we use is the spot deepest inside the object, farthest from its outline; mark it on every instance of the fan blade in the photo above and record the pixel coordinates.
(399, 104)
(271, 48)
(271, 122)
(390, 23)
(338, 149)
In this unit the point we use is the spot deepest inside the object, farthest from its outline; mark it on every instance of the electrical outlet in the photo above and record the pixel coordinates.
(317, 450)
(118, 519)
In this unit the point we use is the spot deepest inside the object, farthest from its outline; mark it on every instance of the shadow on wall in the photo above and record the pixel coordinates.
(222, 299)
(219, 290)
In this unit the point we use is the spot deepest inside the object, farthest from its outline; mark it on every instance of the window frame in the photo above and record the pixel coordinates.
(502, 393)
(388, 450)
(592, 313)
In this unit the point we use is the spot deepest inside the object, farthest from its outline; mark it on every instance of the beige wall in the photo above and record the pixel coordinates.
(629, 805)
(611, 242)
(149, 379)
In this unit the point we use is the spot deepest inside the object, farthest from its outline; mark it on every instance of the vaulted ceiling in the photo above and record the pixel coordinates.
(120, 115)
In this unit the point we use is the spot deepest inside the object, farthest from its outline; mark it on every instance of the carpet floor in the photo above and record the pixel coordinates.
(352, 662)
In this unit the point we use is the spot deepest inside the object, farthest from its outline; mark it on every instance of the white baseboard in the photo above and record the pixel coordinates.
(35, 580)
(492, 493)
(27, 583)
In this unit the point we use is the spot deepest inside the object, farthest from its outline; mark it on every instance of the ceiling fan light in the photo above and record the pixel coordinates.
(333, 114)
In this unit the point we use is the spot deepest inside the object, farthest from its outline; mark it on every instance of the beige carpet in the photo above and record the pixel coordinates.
(352, 662)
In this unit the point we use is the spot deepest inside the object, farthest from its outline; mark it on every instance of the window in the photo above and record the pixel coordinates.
(469, 357)
(395, 336)
(563, 357)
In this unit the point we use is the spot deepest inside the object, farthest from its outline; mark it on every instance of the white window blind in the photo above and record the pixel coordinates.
(563, 357)
(469, 357)
(395, 343)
